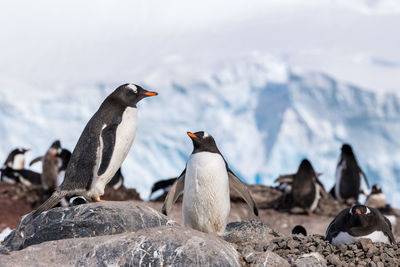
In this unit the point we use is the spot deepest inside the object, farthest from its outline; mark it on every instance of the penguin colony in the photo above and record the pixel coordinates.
(205, 182)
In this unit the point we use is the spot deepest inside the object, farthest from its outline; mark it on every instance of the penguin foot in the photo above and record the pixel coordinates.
(309, 213)
(97, 199)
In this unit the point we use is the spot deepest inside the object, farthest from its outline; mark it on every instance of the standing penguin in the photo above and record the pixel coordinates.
(205, 184)
(102, 146)
(306, 188)
(348, 175)
(50, 166)
(15, 161)
(358, 222)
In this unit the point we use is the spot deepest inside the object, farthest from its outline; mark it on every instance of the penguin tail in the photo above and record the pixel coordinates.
(51, 202)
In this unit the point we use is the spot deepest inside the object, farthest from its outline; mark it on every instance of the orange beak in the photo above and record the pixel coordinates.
(358, 212)
(150, 93)
(192, 135)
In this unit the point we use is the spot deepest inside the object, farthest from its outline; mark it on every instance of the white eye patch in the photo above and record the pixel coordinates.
(368, 211)
(133, 87)
(205, 135)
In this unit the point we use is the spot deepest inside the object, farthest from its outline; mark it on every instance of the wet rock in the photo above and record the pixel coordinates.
(161, 246)
(94, 219)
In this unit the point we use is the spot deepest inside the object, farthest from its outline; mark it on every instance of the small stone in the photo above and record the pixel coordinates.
(349, 253)
(312, 248)
(376, 259)
(380, 264)
(372, 252)
(249, 258)
(372, 264)
(342, 248)
(366, 243)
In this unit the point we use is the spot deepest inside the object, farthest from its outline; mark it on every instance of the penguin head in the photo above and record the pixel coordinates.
(203, 142)
(347, 150)
(19, 150)
(376, 189)
(130, 94)
(299, 230)
(306, 168)
(361, 215)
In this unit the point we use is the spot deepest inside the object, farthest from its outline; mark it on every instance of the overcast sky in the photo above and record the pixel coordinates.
(86, 42)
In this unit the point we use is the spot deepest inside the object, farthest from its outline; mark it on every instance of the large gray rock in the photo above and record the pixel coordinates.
(311, 260)
(250, 231)
(94, 219)
(269, 258)
(161, 246)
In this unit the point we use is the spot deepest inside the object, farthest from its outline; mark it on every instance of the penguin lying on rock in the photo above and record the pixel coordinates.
(23, 176)
(205, 186)
(358, 222)
(348, 176)
(306, 189)
(102, 146)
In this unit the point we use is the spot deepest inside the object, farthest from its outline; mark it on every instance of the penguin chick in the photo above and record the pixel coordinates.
(205, 186)
(102, 146)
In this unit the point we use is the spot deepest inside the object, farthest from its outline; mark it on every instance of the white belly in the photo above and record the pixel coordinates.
(338, 175)
(376, 200)
(345, 238)
(125, 134)
(316, 199)
(206, 202)
(19, 162)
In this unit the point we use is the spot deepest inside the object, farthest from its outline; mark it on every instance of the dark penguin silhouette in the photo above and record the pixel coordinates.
(358, 222)
(50, 166)
(23, 176)
(306, 189)
(348, 176)
(102, 146)
(117, 181)
(205, 183)
(162, 184)
(299, 230)
(16, 161)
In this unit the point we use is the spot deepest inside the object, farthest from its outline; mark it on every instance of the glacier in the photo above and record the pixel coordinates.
(264, 116)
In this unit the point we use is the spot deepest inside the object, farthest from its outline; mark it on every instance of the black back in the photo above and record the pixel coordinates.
(79, 173)
(303, 188)
(349, 186)
(29, 175)
(358, 222)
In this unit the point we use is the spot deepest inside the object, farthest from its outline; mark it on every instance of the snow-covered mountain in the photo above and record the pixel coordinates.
(264, 116)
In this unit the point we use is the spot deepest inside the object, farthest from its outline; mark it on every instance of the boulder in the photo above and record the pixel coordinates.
(250, 231)
(161, 246)
(269, 258)
(88, 220)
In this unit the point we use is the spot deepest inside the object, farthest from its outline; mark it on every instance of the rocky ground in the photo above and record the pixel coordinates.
(132, 233)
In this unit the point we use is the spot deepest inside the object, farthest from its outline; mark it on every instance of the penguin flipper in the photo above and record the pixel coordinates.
(37, 159)
(364, 176)
(108, 138)
(173, 194)
(242, 189)
(288, 178)
(51, 202)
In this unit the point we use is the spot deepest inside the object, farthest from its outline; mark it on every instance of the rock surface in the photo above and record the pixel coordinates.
(94, 219)
(161, 246)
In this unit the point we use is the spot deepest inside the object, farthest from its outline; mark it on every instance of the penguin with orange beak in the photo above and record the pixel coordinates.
(358, 222)
(205, 186)
(102, 146)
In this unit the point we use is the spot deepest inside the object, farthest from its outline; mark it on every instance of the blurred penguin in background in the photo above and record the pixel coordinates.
(376, 198)
(14, 161)
(348, 177)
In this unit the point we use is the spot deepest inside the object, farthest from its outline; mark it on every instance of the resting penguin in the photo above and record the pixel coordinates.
(205, 184)
(102, 146)
(358, 222)
(376, 198)
(348, 175)
(23, 176)
(306, 188)
(15, 161)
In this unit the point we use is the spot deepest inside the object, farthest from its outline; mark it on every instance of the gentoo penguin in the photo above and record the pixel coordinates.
(205, 184)
(358, 222)
(50, 166)
(299, 230)
(15, 161)
(78, 200)
(23, 176)
(117, 181)
(102, 146)
(306, 189)
(162, 184)
(348, 175)
(376, 198)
